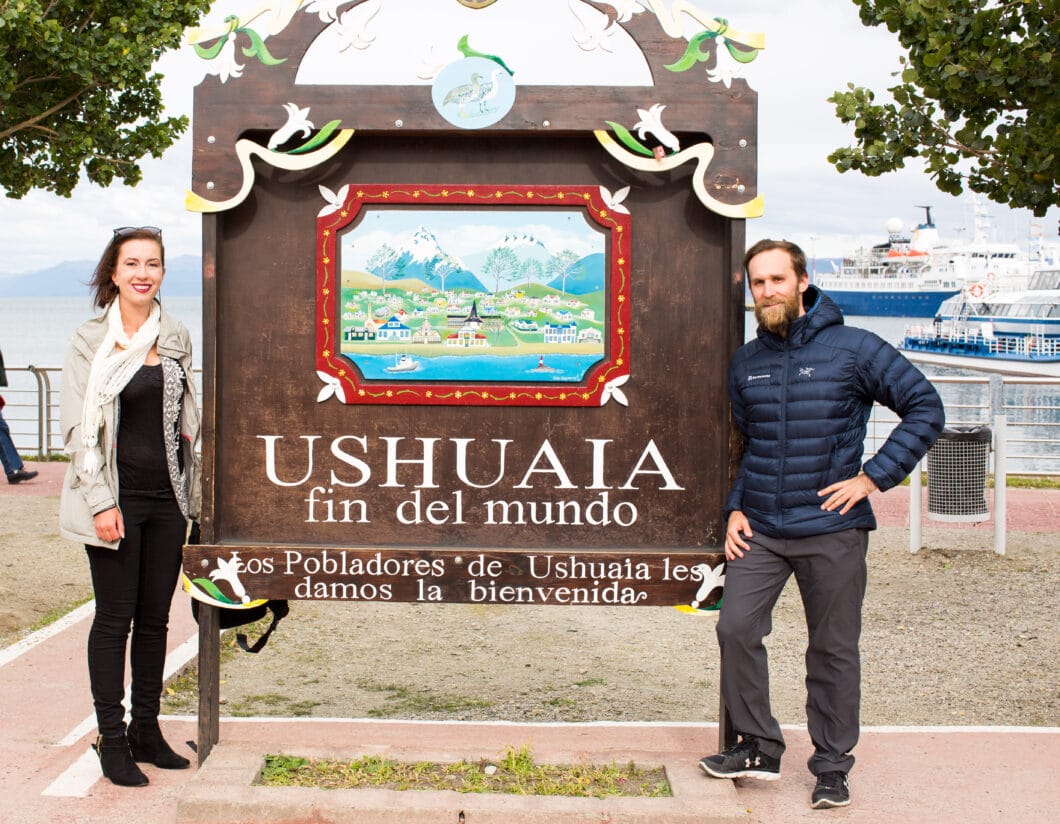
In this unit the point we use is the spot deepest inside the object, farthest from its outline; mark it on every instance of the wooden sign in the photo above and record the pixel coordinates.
(538, 578)
(480, 308)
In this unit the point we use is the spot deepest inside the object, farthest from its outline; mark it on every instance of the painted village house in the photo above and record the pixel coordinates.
(426, 334)
(561, 332)
(394, 330)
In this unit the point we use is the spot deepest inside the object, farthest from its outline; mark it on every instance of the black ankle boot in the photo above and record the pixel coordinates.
(117, 762)
(147, 744)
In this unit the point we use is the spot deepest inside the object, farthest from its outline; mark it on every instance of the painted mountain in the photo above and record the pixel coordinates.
(419, 256)
(586, 276)
(524, 246)
(525, 260)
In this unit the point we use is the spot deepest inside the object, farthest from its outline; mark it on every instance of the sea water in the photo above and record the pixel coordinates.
(35, 331)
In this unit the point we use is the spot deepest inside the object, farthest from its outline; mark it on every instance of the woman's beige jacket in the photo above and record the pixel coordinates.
(83, 495)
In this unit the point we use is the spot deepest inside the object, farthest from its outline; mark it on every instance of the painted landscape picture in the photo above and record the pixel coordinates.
(496, 295)
(459, 295)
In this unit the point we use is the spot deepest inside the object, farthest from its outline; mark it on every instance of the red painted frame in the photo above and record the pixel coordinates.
(351, 387)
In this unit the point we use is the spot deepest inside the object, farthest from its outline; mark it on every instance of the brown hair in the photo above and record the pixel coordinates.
(103, 289)
(798, 257)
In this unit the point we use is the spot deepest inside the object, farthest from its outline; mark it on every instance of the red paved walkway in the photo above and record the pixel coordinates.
(936, 775)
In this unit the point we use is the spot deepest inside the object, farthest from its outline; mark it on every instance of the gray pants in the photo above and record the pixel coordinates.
(830, 571)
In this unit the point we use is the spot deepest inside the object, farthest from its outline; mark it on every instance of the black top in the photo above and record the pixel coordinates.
(142, 467)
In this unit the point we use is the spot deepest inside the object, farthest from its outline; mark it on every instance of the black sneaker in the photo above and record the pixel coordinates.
(742, 761)
(832, 790)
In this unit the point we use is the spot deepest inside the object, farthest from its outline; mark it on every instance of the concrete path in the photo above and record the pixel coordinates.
(938, 775)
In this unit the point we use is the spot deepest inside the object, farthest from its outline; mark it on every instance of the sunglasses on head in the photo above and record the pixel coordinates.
(128, 230)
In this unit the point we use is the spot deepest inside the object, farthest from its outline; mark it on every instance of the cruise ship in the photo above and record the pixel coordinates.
(912, 274)
(993, 329)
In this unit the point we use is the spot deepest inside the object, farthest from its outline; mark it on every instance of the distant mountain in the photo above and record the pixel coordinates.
(70, 278)
(586, 276)
(419, 255)
(525, 246)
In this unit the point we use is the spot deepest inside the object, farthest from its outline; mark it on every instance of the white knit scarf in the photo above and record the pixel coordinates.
(112, 368)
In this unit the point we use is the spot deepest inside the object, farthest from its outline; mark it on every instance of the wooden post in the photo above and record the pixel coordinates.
(209, 679)
(209, 617)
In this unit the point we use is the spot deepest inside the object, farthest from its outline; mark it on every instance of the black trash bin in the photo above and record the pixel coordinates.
(957, 468)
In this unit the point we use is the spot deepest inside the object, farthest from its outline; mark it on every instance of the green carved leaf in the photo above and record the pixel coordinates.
(319, 139)
(259, 50)
(693, 52)
(628, 140)
(210, 588)
(467, 51)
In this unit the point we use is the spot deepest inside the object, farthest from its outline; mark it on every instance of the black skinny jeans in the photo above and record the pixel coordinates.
(134, 586)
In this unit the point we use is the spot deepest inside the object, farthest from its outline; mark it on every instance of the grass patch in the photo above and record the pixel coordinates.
(1011, 481)
(54, 615)
(515, 773)
(402, 701)
(1032, 482)
(182, 691)
(274, 703)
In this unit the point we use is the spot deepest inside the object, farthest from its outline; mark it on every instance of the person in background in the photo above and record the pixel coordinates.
(131, 488)
(10, 459)
(801, 393)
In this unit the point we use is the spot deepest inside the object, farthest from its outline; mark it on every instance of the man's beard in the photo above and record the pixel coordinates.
(777, 315)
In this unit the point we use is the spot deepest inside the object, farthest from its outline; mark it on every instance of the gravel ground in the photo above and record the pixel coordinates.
(952, 635)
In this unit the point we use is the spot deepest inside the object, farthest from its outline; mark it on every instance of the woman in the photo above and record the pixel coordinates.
(127, 380)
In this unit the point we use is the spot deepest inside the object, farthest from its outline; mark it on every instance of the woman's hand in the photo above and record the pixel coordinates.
(109, 525)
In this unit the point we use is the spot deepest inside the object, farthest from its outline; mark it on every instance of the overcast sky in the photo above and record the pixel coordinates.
(813, 48)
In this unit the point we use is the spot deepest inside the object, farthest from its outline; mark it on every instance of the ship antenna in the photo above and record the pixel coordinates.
(927, 210)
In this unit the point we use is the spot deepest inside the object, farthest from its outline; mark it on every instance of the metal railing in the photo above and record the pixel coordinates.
(32, 409)
(1030, 405)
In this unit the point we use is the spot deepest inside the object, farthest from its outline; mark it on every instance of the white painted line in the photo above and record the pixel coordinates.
(706, 725)
(78, 778)
(9, 654)
(982, 729)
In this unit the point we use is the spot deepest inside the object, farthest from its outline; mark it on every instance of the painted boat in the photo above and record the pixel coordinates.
(910, 275)
(404, 364)
(992, 329)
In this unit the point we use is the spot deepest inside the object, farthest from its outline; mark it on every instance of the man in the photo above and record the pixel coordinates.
(801, 395)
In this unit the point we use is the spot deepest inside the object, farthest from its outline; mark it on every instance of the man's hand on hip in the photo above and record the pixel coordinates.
(847, 493)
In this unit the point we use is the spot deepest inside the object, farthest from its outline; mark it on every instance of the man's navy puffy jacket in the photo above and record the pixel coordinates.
(803, 402)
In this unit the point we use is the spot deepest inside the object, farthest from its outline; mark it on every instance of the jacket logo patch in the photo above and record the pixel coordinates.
(806, 371)
(757, 377)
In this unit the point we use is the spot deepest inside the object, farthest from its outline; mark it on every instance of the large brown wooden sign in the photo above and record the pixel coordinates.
(471, 283)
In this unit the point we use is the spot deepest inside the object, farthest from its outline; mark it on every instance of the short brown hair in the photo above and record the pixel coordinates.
(103, 289)
(798, 257)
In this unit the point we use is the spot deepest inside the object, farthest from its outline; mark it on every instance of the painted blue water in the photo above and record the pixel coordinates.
(464, 368)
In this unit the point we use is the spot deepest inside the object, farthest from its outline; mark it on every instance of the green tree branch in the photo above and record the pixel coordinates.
(976, 99)
(76, 94)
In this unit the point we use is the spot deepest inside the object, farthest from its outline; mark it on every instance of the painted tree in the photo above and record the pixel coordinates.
(442, 268)
(501, 264)
(77, 94)
(532, 270)
(385, 262)
(977, 99)
(563, 265)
